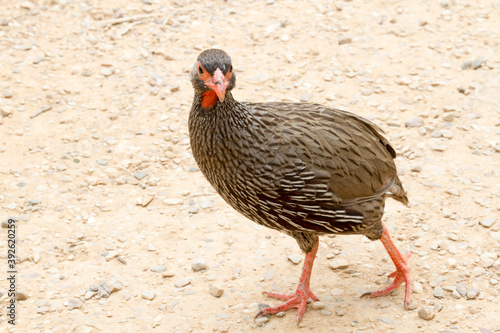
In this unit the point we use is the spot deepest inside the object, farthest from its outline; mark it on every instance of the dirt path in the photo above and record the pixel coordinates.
(95, 162)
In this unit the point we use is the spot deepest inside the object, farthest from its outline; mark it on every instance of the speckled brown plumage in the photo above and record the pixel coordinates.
(303, 169)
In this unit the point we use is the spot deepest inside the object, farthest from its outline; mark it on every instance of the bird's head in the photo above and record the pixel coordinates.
(212, 76)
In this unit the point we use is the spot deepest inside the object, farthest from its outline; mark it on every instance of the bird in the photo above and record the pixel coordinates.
(303, 169)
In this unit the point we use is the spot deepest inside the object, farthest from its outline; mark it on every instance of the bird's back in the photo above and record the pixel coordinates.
(295, 166)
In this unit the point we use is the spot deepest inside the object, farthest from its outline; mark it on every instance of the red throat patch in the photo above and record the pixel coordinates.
(209, 99)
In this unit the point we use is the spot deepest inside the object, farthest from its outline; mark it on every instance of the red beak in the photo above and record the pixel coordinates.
(219, 84)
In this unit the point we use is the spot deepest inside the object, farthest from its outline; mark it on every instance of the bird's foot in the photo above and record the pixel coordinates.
(401, 275)
(297, 300)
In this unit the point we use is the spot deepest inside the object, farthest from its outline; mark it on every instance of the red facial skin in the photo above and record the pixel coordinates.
(217, 83)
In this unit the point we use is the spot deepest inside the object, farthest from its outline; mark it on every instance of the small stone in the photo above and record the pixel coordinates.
(338, 264)
(295, 258)
(167, 274)
(318, 305)
(426, 312)
(414, 122)
(416, 287)
(193, 209)
(340, 311)
(438, 292)
(462, 288)
(413, 305)
(6, 111)
(487, 223)
(103, 289)
(261, 320)
(472, 293)
(148, 294)
(106, 71)
(215, 291)
(35, 257)
(89, 294)
(449, 116)
(416, 168)
(34, 202)
(438, 306)
(453, 191)
(477, 63)
(158, 268)
(116, 286)
(439, 148)
(74, 303)
(344, 40)
(182, 282)
(452, 263)
(198, 265)
(140, 175)
(21, 295)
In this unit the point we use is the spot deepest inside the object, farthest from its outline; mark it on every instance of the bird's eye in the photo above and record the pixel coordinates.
(231, 68)
(200, 70)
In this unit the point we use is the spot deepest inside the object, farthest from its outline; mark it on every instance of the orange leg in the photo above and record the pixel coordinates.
(402, 273)
(301, 296)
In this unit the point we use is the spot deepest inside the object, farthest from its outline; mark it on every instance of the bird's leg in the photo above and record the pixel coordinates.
(402, 273)
(301, 296)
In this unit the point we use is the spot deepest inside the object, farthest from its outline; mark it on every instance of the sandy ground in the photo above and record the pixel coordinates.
(113, 214)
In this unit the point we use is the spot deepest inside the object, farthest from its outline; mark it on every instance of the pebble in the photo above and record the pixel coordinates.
(140, 175)
(182, 282)
(21, 295)
(340, 311)
(439, 148)
(261, 320)
(453, 191)
(449, 116)
(74, 303)
(148, 294)
(338, 264)
(426, 312)
(158, 268)
(416, 287)
(452, 263)
(318, 305)
(438, 292)
(345, 40)
(462, 288)
(487, 223)
(413, 305)
(414, 122)
(167, 274)
(472, 293)
(416, 168)
(193, 209)
(295, 258)
(198, 265)
(215, 291)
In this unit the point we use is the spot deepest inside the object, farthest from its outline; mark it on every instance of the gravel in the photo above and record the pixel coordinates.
(338, 264)
(148, 294)
(199, 265)
(215, 290)
(426, 312)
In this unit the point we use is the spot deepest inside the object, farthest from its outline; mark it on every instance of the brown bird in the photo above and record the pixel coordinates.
(299, 168)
